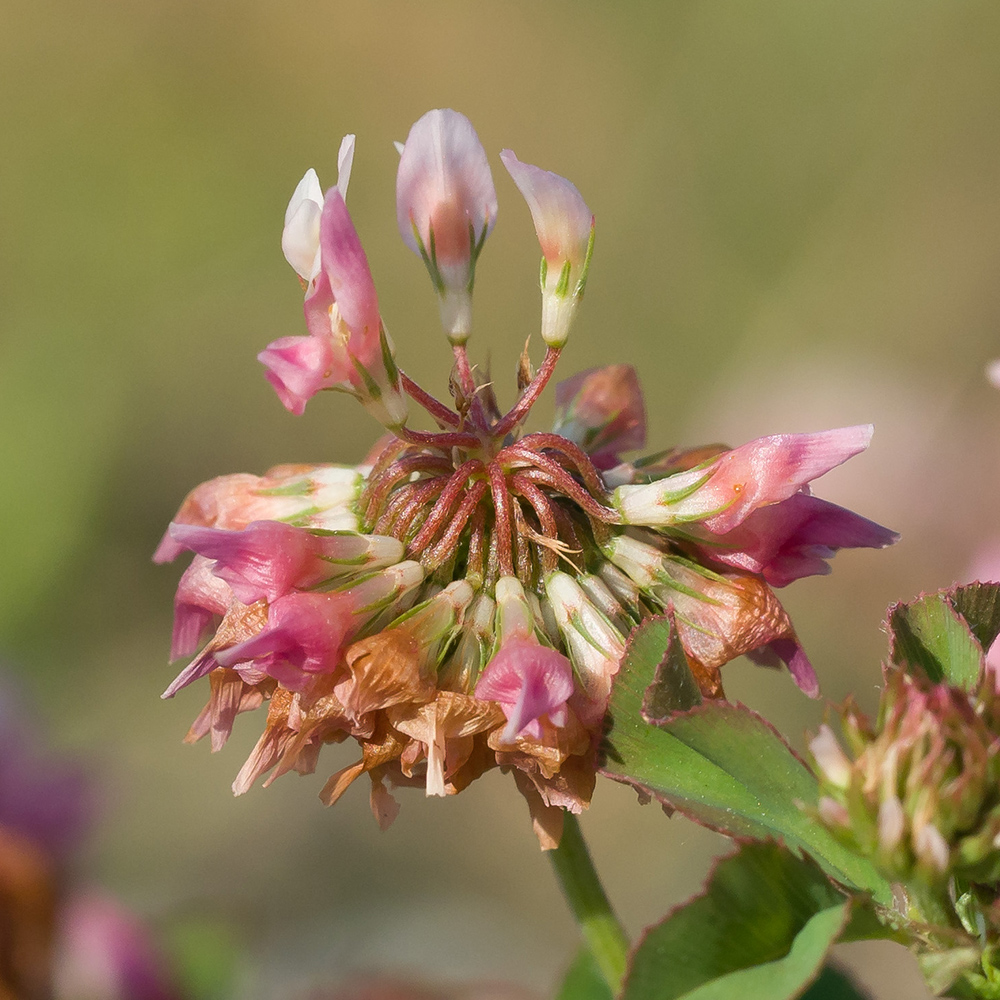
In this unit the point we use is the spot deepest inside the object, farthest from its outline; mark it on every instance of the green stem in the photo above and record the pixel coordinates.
(599, 924)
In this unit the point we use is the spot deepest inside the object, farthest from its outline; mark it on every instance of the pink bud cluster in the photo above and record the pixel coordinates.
(918, 791)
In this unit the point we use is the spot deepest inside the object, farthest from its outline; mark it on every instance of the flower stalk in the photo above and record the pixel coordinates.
(598, 922)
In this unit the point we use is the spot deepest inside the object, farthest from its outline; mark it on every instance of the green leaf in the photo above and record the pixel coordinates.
(979, 605)
(761, 931)
(943, 635)
(833, 984)
(721, 765)
(583, 980)
(673, 688)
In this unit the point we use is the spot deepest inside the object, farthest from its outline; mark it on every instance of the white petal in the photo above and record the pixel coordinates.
(345, 160)
(307, 189)
(300, 239)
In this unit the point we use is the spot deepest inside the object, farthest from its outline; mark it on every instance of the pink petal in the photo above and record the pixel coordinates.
(527, 680)
(601, 409)
(305, 633)
(350, 279)
(790, 652)
(201, 600)
(299, 367)
(561, 217)
(769, 470)
(444, 184)
(264, 561)
(792, 539)
(201, 666)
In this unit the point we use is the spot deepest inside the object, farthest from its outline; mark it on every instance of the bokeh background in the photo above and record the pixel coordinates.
(798, 215)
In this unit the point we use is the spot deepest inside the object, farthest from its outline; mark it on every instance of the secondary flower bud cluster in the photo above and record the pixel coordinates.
(919, 791)
(463, 600)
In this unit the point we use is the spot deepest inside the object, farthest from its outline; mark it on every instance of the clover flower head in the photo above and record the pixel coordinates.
(463, 600)
(917, 790)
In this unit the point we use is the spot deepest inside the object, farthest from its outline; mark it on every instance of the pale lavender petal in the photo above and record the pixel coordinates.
(168, 550)
(345, 160)
(307, 189)
(201, 666)
(561, 217)
(444, 183)
(300, 240)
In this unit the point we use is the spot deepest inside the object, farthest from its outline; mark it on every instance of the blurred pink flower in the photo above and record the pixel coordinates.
(103, 950)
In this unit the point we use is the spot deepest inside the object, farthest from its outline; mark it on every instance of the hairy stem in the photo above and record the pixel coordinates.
(530, 395)
(444, 415)
(448, 439)
(599, 924)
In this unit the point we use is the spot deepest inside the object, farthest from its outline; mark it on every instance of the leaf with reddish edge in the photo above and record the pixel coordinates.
(721, 765)
(979, 604)
(761, 930)
(673, 688)
(945, 635)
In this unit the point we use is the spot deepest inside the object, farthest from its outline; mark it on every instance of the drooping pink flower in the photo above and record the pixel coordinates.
(565, 229)
(722, 494)
(306, 633)
(266, 559)
(789, 540)
(527, 680)
(446, 206)
(601, 409)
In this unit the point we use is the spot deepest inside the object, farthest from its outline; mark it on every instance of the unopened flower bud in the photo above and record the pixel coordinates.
(601, 410)
(595, 645)
(565, 229)
(446, 206)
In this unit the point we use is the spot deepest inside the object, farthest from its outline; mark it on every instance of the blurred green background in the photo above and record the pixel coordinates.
(798, 212)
